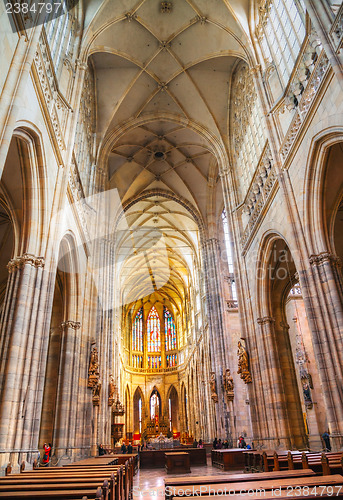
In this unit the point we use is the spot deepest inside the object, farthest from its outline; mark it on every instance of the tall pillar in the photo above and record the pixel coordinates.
(65, 425)
(273, 405)
(216, 328)
(21, 340)
(321, 289)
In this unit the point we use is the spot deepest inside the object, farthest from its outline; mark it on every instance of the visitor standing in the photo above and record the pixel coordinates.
(326, 439)
(46, 456)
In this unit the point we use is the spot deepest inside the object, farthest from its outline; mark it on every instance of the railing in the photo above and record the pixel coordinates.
(258, 194)
(153, 370)
(305, 85)
(336, 31)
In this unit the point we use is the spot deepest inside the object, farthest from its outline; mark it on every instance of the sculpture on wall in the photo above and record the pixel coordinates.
(93, 370)
(94, 382)
(213, 387)
(228, 384)
(243, 364)
(96, 393)
(306, 382)
(111, 391)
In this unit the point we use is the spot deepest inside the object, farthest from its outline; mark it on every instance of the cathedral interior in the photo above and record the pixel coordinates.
(171, 224)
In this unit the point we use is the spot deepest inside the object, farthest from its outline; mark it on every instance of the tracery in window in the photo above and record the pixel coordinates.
(154, 361)
(171, 360)
(153, 331)
(281, 32)
(228, 246)
(169, 330)
(247, 126)
(137, 332)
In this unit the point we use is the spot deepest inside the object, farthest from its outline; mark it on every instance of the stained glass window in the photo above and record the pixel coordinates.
(171, 360)
(153, 331)
(169, 330)
(154, 407)
(137, 332)
(154, 361)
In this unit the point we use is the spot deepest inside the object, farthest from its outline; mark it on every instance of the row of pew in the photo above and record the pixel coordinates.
(282, 484)
(89, 480)
(321, 463)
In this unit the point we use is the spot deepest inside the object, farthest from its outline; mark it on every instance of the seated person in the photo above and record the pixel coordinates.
(129, 448)
(101, 450)
(123, 448)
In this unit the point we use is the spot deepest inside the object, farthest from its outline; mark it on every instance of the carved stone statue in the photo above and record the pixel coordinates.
(93, 370)
(96, 393)
(213, 387)
(305, 381)
(228, 384)
(243, 363)
(111, 391)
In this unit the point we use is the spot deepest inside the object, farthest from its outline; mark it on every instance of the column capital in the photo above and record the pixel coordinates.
(265, 320)
(75, 325)
(26, 258)
(81, 64)
(323, 257)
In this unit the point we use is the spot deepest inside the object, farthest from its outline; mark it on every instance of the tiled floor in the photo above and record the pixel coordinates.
(149, 483)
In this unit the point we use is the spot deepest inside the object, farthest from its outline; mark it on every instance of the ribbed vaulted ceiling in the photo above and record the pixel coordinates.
(163, 78)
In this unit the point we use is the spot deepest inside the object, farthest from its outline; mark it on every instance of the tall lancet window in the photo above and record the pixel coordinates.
(137, 332)
(169, 330)
(153, 331)
(228, 246)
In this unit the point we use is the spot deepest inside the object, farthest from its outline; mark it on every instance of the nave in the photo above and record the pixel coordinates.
(171, 230)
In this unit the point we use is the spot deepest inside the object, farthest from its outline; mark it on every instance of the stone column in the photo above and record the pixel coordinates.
(21, 357)
(321, 288)
(68, 385)
(216, 327)
(273, 404)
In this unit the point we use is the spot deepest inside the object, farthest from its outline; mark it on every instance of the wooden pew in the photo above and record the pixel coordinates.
(228, 489)
(322, 463)
(86, 470)
(115, 481)
(43, 487)
(57, 494)
(185, 481)
(335, 492)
